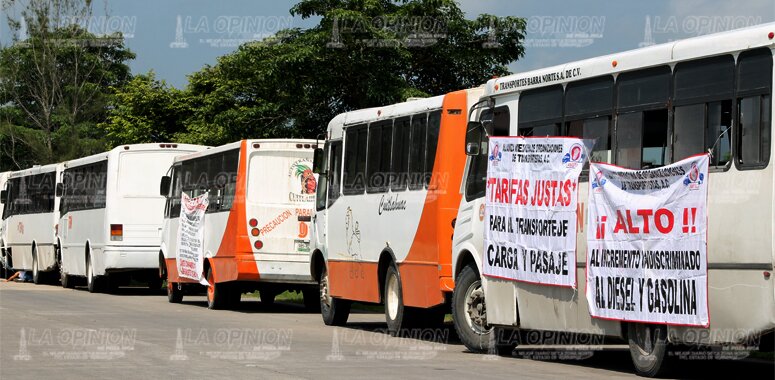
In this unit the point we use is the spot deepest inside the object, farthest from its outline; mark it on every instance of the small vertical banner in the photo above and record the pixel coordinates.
(530, 209)
(647, 243)
(190, 255)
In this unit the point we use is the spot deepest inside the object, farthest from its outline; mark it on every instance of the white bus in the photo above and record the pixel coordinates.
(111, 214)
(29, 221)
(386, 209)
(256, 226)
(3, 267)
(647, 108)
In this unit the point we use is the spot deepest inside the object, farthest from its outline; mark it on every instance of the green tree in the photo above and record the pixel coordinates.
(54, 81)
(145, 110)
(363, 53)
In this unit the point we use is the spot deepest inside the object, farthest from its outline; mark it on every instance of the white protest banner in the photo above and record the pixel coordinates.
(647, 243)
(530, 209)
(190, 255)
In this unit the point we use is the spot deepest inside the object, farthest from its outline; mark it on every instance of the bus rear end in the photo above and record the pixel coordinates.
(135, 209)
(280, 197)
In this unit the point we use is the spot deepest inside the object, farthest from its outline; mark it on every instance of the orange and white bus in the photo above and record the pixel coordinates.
(386, 209)
(256, 225)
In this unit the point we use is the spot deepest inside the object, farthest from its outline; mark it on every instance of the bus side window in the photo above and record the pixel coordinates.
(754, 99)
(335, 172)
(703, 108)
(228, 178)
(434, 127)
(400, 167)
(642, 121)
(355, 159)
(379, 149)
(588, 110)
(417, 151)
(540, 111)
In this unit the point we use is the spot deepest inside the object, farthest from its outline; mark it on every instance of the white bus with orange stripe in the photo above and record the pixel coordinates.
(386, 208)
(256, 227)
(111, 215)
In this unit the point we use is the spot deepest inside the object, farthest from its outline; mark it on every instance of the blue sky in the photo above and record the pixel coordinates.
(558, 31)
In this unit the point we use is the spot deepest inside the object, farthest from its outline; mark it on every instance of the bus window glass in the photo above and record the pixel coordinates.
(434, 126)
(629, 136)
(540, 111)
(417, 151)
(355, 160)
(378, 164)
(754, 87)
(400, 166)
(335, 175)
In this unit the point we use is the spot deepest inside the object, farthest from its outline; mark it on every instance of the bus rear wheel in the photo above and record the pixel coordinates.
(37, 277)
(335, 311)
(217, 293)
(174, 293)
(94, 283)
(469, 311)
(648, 348)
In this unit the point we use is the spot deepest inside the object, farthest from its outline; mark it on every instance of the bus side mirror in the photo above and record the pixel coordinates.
(59, 190)
(473, 138)
(318, 160)
(164, 186)
(3, 195)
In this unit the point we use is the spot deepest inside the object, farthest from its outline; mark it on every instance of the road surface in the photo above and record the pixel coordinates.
(50, 332)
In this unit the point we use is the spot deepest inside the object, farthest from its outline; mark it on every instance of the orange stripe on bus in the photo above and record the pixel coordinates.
(235, 241)
(354, 280)
(430, 256)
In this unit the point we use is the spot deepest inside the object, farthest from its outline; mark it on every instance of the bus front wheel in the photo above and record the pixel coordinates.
(648, 348)
(469, 311)
(335, 311)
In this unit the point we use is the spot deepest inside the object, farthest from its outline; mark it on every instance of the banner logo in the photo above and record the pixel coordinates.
(574, 157)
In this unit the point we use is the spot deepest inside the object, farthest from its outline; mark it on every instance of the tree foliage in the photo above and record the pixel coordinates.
(363, 53)
(54, 81)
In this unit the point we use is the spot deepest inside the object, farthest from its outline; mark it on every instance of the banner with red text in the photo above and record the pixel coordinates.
(530, 209)
(647, 243)
(190, 254)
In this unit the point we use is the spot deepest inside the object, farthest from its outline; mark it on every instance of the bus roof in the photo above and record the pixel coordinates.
(33, 170)
(656, 55)
(134, 148)
(409, 107)
(237, 144)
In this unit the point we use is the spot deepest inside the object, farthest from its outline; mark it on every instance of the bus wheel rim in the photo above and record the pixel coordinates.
(646, 339)
(392, 298)
(324, 295)
(476, 312)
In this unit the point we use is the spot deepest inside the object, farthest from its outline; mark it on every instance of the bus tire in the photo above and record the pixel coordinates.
(174, 293)
(398, 316)
(217, 293)
(37, 277)
(334, 311)
(648, 348)
(469, 311)
(311, 299)
(94, 284)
